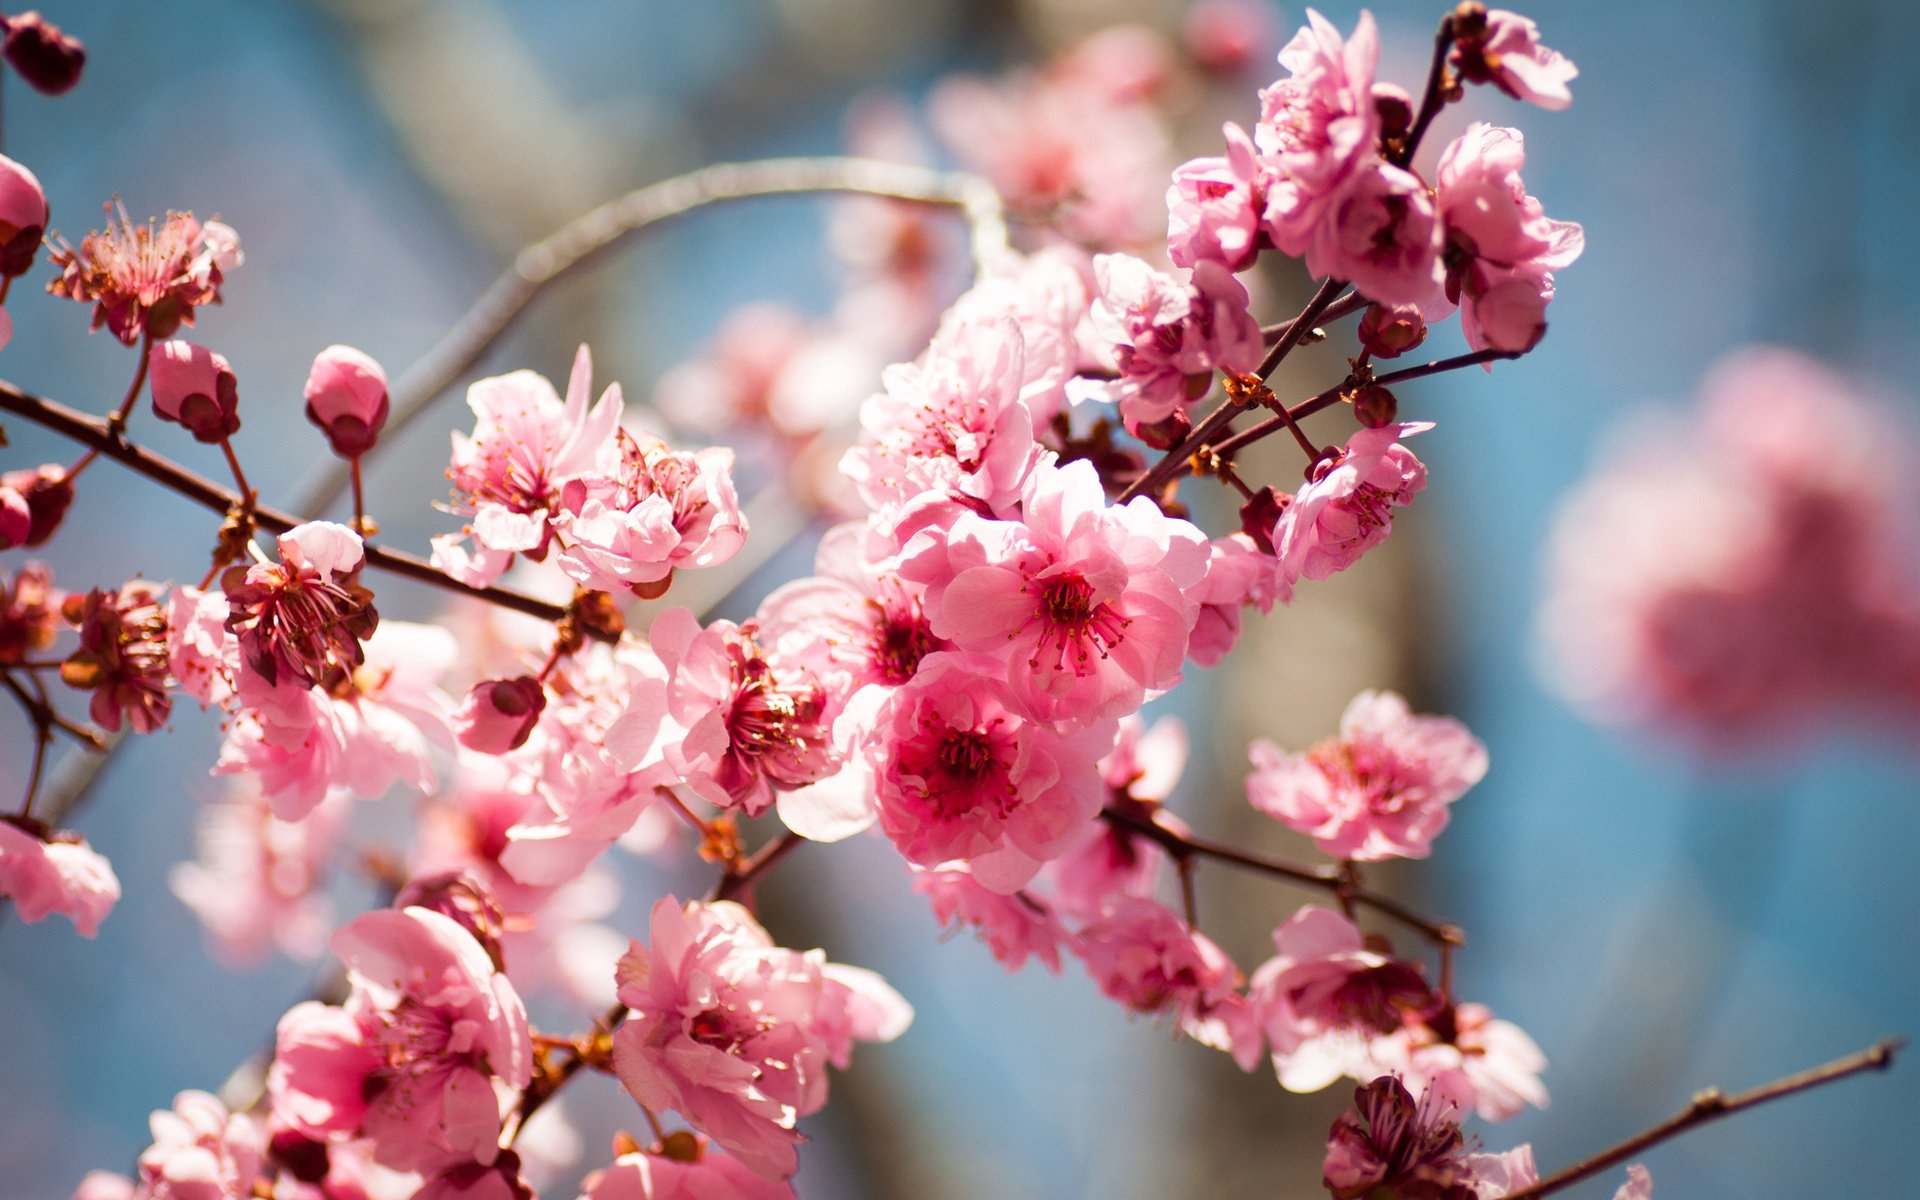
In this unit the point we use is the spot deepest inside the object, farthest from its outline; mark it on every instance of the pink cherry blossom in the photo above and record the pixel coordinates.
(23, 217)
(43, 494)
(201, 1151)
(1215, 206)
(1088, 605)
(29, 612)
(1347, 508)
(735, 1033)
(47, 872)
(146, 280)
(1015, 927)
(1501, 249)
(1379, 790)
(1389, 1144)
(526, 444)
(1145, 955)
(498, 715)
(1507, 53)
(1318, 125)
(1379, 234)
(657, 511)
(1140, 772)
(122, 657)
(1639, 1185)
(1169, 335)
(203, 657)
(258, 883)
(304, 617)
(347, 398)
(1049, 295)
(195, 387)
(1490, 1065)
(961, 775)
(1229, 35)
(413, 1059)
(664, 1175)
(1240, 574)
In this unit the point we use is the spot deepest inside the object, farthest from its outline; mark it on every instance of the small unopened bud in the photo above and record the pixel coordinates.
(45, 493)
(46, 57)
(1259, 515)
(1395, 107)
(498, 715)
(1388, 331)
(196, 387)
(347, 398)
(1375, 406)
(23, 217)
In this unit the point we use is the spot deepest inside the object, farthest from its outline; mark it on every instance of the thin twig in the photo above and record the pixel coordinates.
(1435, 97)
(585, 239)
(1711, 1105)
(735, 883)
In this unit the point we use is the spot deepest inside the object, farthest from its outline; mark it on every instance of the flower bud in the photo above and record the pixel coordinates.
(45, 56)
(23, 217)
(347, 398)
(1375, 406)
(46, 494)
(1259, 513)
(194, 386)
(498, 715)
(1395, 107)
(1388, 331)
(1167, 433)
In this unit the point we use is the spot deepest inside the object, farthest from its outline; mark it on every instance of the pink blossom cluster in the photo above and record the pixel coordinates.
(1326, 176)
(1783, 602)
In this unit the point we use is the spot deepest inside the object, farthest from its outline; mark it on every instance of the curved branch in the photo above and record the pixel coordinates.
(585, 239)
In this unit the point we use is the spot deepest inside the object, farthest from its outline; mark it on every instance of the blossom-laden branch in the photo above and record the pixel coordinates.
(582, 242)
(1711, 1105)
(98, 436)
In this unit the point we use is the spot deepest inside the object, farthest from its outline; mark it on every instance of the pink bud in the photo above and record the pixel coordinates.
(46, 493)
(45, 56)
(498, 715)
(347, 397)
(23, 217)
(1388, 331)
(194, 386)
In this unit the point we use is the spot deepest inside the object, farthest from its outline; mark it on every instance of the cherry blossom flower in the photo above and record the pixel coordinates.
(194, 387)
(1379, 790)
(1388, 331)
(201, 1151)
(1507, 53)
(735, 1033)
(1240, 574)
(258, 882)
(47, 872)
(29, 612)
(498, 715)
(684, 1169)
(122, 657)
(1388, 1144)
(1489, 1065)
(1088, 605)
(33, 502)
(1144, 955)
(526, 444)
(413, 1059)
(1501, 248)
(1169, 335)
(657, 511)
(1229, 35)
(304, 617)
(1215, 206)
(1049, 295)
(1379, 234)
(203, 656)
(1347, 508)
(1319, 125)
(347, 398)
(961, 775)
(1015, 927)
(143, 279)
(1139, 773)
(23, 217)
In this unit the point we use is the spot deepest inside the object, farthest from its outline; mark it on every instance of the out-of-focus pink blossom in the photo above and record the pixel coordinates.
(46, 56)
(526, 444)
(258, 881)
(498, 715)
(657, 511)
(1318, 126)
(33, 502)
(23, 217)
(48, 872)
(1229, 35)
(1507, 53)
(143, 279)
(1088, 605)
(195, 387)
(201, 1151)
(1145, 956)
(1169, 335)
(347, 398)
(684, 1170)
(735, 1033)
(961, 775)
(104, 1185)
(122, 657)
(1347, 509)
(1639, 1185)
(29, 612)
(1015, 926)
(413, 1059)
(1379, 790)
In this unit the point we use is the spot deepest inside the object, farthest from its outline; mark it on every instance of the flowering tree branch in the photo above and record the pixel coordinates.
(1711, 1105)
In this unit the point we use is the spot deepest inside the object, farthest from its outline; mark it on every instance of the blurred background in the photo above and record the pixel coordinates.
(1656, 918)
